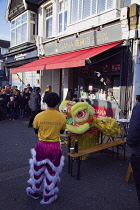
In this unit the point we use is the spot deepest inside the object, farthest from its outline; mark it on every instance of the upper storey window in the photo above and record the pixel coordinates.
(63, 15)
(19, 30)
(23, 28)
(49, 20)
(82, 9)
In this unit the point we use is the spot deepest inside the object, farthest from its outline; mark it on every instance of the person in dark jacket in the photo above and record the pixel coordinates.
(22, 103)
(11, 105)
(133, 140)
(4, 104)
(34, 104)
(27, 98)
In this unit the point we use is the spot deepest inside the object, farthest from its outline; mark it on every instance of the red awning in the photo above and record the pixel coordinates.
(67, 60)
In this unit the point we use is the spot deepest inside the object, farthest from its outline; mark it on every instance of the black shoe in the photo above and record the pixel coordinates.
(32, 195)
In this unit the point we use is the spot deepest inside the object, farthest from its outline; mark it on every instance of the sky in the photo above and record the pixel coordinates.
(4, 26)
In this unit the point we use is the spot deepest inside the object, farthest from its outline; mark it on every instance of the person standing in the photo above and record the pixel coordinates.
(27, 98)
(47, 160)
(22, 102)
(4, 105)
(34, 104)
(11, 105)
(43, 104)
(133, 140)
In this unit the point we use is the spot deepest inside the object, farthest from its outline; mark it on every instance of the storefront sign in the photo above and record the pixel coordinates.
(110, 68)
(20, 56)
(86, 39)
(104, 111)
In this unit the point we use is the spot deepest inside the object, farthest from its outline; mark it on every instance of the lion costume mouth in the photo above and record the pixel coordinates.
(81, 114)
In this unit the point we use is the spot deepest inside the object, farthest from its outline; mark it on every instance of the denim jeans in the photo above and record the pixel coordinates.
(21, 111)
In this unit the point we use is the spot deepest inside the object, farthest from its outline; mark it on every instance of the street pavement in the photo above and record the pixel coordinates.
(101, 186)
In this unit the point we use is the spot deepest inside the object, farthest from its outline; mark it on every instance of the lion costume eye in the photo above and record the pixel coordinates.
(65, 109)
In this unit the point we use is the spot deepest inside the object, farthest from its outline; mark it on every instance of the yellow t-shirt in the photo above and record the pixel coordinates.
(49, 123)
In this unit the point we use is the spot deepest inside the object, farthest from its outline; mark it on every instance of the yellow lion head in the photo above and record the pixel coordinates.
(79, 115)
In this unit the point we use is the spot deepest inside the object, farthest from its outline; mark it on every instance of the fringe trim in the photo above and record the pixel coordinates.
(28, 189)
(52, 192)
(32, 183)
(37, 173)
(50, 200)
(54, 179)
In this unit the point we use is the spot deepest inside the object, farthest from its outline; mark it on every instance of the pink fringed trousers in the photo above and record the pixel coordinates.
(45, 166)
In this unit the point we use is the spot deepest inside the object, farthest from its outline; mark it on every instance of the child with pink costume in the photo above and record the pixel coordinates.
(47, 161)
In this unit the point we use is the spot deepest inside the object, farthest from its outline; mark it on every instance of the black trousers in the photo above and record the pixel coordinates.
(33, 114)
(135, 163)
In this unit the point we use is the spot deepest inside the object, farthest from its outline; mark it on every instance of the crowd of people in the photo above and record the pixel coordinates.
(14, 104)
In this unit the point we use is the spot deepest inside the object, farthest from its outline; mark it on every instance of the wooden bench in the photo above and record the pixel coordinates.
(87, 151)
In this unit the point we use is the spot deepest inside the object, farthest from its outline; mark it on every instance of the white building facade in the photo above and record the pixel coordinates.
(63, 27)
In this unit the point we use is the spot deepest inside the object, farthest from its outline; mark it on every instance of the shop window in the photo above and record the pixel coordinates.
(4, 50)
(81, 9)
(49, 21)
(100, 82)
(19, 28)
(63, 15)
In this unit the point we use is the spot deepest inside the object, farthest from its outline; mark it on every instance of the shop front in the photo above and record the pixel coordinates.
(101, 82)
(18, 57)
(93, 64)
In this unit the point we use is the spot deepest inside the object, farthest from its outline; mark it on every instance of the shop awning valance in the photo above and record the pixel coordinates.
(67, 60)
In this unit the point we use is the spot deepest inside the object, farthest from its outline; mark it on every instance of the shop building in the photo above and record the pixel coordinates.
(23, 49)
(89, 47)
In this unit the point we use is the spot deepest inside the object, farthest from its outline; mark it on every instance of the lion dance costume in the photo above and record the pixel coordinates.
(80, 118)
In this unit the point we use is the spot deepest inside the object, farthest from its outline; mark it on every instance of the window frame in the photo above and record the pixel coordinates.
(25, 22)
(63, 11)
(80, 14)
(49, 17)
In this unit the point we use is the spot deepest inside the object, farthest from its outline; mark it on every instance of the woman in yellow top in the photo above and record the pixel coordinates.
(47, 160)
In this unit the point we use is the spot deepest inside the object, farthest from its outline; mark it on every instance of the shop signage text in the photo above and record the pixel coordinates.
(104, 111)
(19, 56)
(86, 39)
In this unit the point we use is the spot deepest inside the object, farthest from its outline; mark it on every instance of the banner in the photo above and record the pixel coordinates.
(104, 111)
